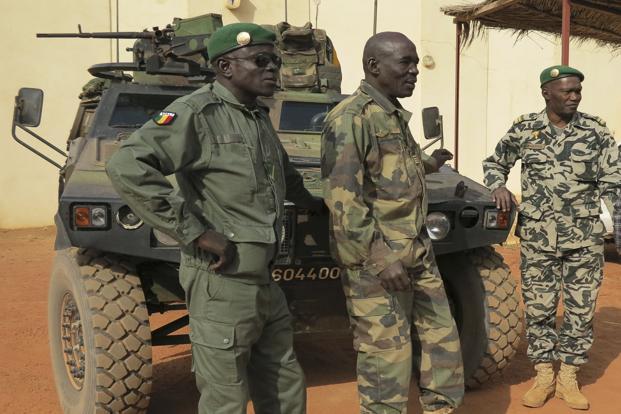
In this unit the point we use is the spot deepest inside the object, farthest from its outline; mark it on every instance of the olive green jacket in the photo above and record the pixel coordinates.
(563, 178)
(373, 174)
(232, 172)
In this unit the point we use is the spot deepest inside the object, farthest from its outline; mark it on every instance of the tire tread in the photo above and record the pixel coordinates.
(505, 322)
(121, 330)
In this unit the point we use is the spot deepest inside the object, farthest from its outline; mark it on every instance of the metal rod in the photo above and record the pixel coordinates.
(566, 28)
(457, 73)
(317, 12)
(375, 18)
(40, 154)
(286, 12)
(110, 27)
(117, 29)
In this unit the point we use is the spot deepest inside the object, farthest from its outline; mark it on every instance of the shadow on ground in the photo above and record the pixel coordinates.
(174, 391)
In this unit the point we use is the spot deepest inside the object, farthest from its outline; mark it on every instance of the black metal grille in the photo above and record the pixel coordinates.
(285, 249)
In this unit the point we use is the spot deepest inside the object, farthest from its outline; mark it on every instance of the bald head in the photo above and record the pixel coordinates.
(382, 45)
(390, 64)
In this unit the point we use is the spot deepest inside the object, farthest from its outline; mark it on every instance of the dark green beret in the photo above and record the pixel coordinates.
(237, 35)
(557, 72)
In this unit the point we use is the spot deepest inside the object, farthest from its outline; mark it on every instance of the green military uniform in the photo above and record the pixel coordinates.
(374, 185)
(233, 177)
(565, 172)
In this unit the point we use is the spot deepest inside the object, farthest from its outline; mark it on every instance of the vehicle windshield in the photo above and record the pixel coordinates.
(303, 116)
(133, 110)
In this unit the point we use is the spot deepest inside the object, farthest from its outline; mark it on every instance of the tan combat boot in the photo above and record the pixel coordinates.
(543, 388)
(567, 388)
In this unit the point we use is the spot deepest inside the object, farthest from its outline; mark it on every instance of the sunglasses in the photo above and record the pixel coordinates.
(262, 59)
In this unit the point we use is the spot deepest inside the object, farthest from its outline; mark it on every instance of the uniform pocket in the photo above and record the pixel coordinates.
(535, 163)
(378, 325)
(228, 139)
(530, 211)
(213, 353)
(397, 173)
(584, 165)
(529, 226)
(586, 210)
(378, 306)
(232, 176)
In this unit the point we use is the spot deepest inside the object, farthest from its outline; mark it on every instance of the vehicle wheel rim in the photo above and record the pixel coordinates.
(72, 341)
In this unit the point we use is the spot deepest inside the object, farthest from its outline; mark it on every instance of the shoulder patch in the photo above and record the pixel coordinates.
(525, 117)
(164, 118)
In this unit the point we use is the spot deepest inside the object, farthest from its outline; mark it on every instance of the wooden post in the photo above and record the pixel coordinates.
(566, 28)
(457, 71)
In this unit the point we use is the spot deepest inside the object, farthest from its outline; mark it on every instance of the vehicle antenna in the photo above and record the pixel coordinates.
(375, 17)
(317, 3)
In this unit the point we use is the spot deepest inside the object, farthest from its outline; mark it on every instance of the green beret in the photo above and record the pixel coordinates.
(235, 36)
(557, 72)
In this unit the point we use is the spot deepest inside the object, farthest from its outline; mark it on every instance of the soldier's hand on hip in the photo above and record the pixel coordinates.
(217, 244)
(503, 198)
(442, 155)
(395, 277)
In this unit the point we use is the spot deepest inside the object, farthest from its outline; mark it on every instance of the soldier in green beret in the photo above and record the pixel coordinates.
(373, 175)
(227, 215)
(569, 162)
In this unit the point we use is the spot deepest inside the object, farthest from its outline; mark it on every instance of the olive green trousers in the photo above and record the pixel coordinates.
(242, 345)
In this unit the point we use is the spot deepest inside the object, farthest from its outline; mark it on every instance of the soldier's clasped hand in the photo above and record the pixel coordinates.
(395, 277)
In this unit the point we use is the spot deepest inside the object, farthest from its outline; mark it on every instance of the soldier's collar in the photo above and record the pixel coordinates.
(383, 101)
(581, 121)
(543, 121)
(223, 93)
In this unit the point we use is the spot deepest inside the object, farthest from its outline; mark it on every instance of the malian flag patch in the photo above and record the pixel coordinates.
(164, 118)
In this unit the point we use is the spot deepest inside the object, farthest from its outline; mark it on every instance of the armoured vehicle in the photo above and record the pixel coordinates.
(112, 271)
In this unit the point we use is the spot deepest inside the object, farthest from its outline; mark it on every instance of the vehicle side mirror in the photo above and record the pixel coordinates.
(432, 123)
(28, 105)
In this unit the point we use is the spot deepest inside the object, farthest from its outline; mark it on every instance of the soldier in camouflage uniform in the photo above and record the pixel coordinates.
(374, 185)
(233, 177)
(569, 161)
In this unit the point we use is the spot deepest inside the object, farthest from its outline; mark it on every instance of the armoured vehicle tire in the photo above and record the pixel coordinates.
(100, 339)
(486, 306)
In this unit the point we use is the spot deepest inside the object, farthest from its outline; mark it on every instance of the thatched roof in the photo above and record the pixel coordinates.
(598, 20)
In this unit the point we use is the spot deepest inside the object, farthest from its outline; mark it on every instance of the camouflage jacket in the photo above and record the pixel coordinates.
(232, 172)
(563, 178)
(373, 175)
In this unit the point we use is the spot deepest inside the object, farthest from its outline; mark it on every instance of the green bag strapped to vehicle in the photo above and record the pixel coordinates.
(309, 61)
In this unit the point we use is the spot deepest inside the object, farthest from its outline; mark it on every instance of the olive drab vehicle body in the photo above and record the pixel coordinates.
(112, 270)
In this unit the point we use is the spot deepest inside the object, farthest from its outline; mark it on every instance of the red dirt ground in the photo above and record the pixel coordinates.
(26, 383)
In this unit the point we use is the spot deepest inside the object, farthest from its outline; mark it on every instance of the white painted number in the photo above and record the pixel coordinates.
(312, 273)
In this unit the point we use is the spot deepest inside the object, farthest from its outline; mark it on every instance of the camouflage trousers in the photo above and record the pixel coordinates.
(382, 324)
(578, 275)
(242, 345)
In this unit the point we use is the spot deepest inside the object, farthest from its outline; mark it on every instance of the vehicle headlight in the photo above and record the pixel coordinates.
(497, 219)
(91, 217)
(438, 225)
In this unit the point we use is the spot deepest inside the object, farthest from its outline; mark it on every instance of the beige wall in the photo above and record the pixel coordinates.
(58, 66)
(498, 81)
